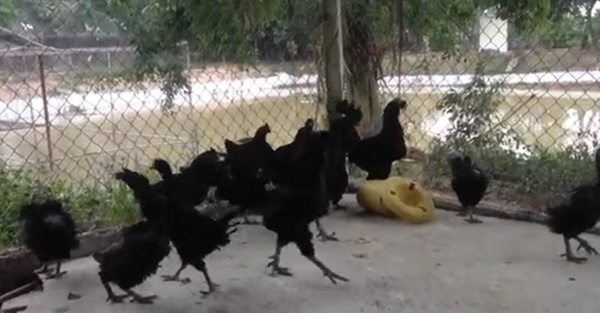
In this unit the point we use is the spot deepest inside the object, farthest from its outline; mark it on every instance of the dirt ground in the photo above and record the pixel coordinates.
(446, 266)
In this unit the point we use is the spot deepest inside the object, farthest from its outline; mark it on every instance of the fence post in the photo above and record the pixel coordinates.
(194, 133)
(46, 114)
(400, 42)
(112, 104)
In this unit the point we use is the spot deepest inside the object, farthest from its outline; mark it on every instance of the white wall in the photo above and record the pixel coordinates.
(493, 33)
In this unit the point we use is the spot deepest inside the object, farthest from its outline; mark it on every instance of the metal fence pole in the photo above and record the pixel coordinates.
(46, 113)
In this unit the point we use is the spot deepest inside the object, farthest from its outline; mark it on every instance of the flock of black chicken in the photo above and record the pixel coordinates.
(290, 187)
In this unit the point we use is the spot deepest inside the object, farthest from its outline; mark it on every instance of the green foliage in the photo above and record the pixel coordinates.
(479, 131)
(8, 10)
(568, 31)
(100, 204)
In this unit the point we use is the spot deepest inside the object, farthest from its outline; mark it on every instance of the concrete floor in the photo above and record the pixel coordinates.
(446, 266)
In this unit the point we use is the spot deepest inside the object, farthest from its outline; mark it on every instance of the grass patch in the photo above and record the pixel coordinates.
(97, 203)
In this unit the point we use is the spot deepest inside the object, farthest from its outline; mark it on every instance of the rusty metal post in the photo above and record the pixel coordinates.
(46, 114)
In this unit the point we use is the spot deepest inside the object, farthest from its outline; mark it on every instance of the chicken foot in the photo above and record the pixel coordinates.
(212, 287)
(323, 235)
(57, 273)
(139, 298)
(111, 296)
(569, 252)
(584, 244)
(326, 271)
(175, 277)
(274, 264)
(470, 219)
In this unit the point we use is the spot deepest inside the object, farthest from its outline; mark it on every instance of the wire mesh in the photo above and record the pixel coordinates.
(523, 107)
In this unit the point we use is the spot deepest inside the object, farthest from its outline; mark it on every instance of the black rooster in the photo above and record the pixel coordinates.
(376, 154)
(469, 183)
(577, 214)
(49, 233)
(299, 199)
(282, 166)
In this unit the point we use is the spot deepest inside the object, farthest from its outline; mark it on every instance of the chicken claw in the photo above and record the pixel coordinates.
(333, 276)
(116, 298)
(327, 237)
(323, 235)
(326, 271)
(141, 299)
(583, 244)
(276, 269)
(212, 287)
(574, 259)
(55, 275)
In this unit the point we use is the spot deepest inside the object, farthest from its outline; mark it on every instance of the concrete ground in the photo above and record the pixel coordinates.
(446, 266)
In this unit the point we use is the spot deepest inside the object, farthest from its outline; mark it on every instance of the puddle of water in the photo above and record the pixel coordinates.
(548, 122)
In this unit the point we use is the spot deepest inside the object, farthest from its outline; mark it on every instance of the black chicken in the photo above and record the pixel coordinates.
(578, 213)
(300, 199)
(469, 183)
(193, 234)
(376, 154)
(49, 233)
(142, 246)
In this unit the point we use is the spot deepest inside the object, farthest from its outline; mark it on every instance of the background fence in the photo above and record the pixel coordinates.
(522, 101)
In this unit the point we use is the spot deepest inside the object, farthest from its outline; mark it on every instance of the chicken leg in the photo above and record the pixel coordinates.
(175, 277)
(274, 264)
(212, 287)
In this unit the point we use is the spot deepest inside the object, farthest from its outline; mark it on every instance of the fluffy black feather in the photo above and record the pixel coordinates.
(469, 182)
(49, 232)
(142, 246)
(133, 259)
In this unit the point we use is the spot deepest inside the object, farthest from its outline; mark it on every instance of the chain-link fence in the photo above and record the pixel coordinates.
(520, 98)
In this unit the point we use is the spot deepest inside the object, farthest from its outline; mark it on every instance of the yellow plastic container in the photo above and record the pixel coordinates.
(399, 197)
(369, 196)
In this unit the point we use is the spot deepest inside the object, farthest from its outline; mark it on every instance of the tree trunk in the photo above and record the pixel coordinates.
(331, 49)
(589, 18)
(359, 50)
